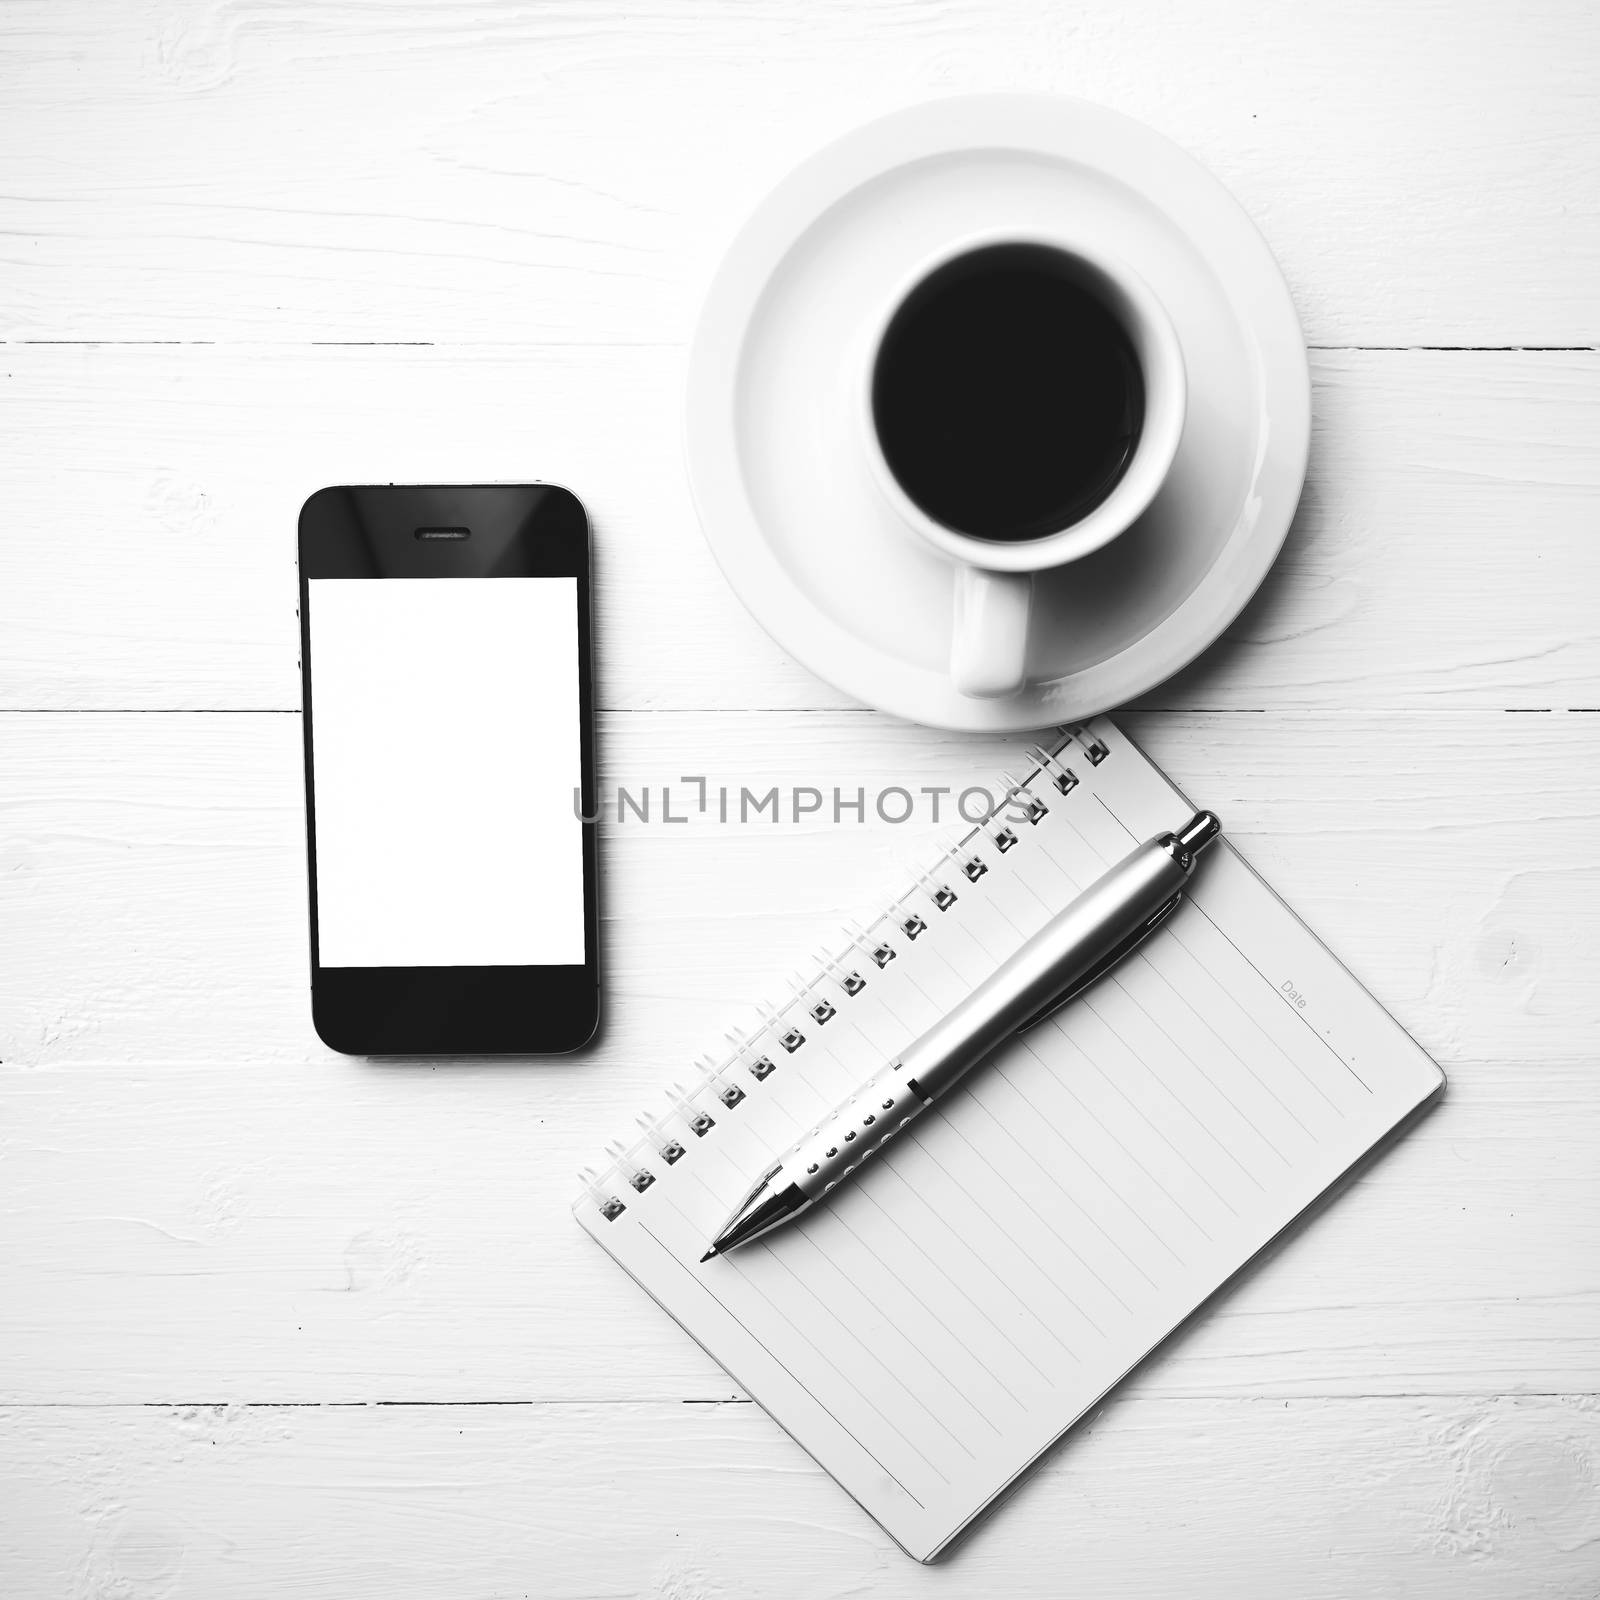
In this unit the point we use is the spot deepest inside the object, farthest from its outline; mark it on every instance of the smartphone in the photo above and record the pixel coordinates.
(449, 765)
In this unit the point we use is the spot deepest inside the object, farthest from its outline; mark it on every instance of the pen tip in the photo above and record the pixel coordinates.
(709, 1253)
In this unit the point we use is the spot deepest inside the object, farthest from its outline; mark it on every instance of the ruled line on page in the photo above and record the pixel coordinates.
(915, 1346)
(1086, 1001)
(1150, 961)
(798, 1123)
(1251, 964)
(1064, 1031)
(993, 1376)
(1064, 1242)
(1106, 1129)
(1116, 1244)
(886, 1163)
(1172, 936)
(804, 1388)
(908, 1237)
(825, 1305)
(804, 1225)
(1161, 1080)
(979, 1099)
(1115, 980)
(854, 1286)
(917, 1245)
(1310, 1026)
(826, 1359)
(814, 1293)
(1155, 967)
(945, 1229)
(1117, 819)
(1144, 1116)
(972, 1097)
(1227, 993)
(824, 1355)
(1002, 1076)
(1038, 1216)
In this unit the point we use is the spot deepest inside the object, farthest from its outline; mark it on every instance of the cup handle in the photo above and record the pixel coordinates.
(989, 644)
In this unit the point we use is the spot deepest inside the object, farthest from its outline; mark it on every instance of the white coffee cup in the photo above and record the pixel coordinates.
(994, 578)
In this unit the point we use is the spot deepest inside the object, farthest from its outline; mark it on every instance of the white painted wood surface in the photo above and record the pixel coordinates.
(275, 1323)
(1445, 552)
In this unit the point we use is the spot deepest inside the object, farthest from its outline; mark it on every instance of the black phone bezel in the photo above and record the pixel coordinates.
(515, 530)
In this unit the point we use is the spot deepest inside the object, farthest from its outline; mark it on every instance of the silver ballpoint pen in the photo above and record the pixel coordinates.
(1110, 919)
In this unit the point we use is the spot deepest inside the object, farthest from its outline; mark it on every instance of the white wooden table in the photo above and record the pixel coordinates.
(276, 1323)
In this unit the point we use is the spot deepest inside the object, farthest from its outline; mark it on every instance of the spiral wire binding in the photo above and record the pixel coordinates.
(723, 1084)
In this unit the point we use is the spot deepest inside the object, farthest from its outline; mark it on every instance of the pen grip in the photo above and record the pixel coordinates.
(858, 1128)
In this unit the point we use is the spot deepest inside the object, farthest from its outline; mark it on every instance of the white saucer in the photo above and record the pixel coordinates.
(773, 458)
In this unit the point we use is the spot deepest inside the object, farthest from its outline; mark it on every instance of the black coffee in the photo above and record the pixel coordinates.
(1007, 398)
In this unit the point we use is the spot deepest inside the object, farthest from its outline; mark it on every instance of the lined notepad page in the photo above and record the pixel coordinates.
(934, 1326)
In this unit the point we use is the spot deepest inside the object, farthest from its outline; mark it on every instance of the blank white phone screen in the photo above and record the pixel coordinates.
(445, 735)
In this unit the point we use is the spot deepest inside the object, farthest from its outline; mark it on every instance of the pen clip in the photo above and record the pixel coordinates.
(1112, 958)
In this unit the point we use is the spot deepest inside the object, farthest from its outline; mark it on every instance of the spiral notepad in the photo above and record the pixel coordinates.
(929, 1331)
